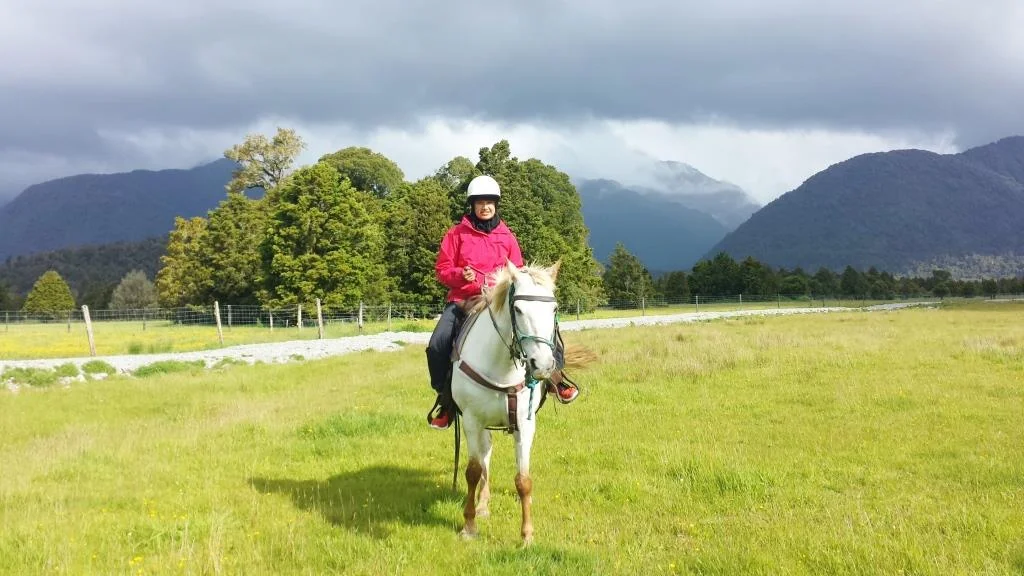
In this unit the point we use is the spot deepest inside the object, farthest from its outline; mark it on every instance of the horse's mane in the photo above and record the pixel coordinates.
(498, 294)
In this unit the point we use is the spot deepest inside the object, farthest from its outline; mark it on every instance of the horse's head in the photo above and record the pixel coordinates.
(527, 295)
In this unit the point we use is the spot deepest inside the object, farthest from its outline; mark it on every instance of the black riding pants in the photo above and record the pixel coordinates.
(439, 349)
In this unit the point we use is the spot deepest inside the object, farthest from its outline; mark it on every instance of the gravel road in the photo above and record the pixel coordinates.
(275, 352)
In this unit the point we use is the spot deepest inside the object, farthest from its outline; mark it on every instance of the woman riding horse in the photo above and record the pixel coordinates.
(478, 245)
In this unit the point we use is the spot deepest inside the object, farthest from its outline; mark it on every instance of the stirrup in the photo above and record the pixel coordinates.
(436, 410)
(563, 381)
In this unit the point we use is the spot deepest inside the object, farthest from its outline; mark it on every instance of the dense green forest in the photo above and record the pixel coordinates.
(350, 228)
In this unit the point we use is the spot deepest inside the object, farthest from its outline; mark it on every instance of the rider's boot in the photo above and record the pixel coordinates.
(439, 416)
(564, 390)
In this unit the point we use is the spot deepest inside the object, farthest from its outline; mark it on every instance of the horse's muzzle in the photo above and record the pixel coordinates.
(538, 372)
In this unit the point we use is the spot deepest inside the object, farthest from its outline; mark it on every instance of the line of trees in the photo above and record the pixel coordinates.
(349, 228)
(627, 282)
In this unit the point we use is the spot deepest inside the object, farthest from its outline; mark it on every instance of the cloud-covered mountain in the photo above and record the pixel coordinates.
(726, 202)
(663, 233)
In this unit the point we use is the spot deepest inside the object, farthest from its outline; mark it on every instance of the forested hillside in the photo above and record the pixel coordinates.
(91, 272)
(899, 211)
(92, 209)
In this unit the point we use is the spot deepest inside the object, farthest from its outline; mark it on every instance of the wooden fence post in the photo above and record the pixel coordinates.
(88, 330)
(299, 322)
(216, 314)
(271, 320)
(69, 321)
(360, 316)
(389, 316)
(319, 319)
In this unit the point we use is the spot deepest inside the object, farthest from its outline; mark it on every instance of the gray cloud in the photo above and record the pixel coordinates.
(121, 66)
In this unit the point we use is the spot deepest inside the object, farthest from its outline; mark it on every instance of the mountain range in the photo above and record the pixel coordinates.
(90, 209)
(901, 211)
(898, 211)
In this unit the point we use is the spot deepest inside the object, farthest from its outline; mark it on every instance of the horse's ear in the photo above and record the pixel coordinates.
(511, 267)
(553, 270)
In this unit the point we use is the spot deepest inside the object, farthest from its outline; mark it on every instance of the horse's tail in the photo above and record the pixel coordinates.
(577, 356)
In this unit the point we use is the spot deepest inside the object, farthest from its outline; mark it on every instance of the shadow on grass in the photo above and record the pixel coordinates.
(368, 501)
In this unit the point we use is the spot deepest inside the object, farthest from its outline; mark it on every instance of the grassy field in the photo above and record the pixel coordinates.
(847, 443)
(23, 341)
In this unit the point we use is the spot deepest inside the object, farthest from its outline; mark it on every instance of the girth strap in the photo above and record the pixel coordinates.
(511, 394)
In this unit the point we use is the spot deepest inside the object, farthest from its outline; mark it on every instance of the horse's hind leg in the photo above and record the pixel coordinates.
(474, 471)
(482, 511)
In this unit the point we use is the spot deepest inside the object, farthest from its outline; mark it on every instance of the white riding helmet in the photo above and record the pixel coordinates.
(483, 187)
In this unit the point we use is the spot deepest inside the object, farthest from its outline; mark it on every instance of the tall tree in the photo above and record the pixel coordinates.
(184, 278)
(323, 242)
(674, 287)
(135, 292)
(231, 249)
(368, 171)
(264, 163)
(752, 276)
(853, 283)
(454, 178)
(418, 217)
(626, 281)
(50, 296)
(6, 298)
(825, 282)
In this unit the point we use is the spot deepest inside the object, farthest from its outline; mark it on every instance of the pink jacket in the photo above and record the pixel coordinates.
(464, 246)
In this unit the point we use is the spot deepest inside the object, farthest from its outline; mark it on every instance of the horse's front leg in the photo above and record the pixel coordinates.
(524, 483)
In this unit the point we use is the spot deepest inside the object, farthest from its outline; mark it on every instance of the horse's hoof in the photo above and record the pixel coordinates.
(527, 541)
(466, 535)
(482, 512)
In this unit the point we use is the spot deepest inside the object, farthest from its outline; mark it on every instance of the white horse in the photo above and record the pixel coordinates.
(504, 354)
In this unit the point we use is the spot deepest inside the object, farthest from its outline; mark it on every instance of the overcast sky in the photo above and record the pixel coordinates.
(761, 94)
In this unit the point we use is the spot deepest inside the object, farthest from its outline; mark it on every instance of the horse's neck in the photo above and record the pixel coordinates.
(485, 351)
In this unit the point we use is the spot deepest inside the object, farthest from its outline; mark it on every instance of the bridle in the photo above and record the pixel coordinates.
(515, 347)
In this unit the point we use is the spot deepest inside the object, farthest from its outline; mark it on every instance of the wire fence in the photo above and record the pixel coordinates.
(307, 316)
(27, 335)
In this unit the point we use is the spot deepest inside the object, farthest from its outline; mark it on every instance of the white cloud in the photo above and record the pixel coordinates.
(765, 163)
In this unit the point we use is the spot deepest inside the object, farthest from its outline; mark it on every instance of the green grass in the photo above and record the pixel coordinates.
(847, 443)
